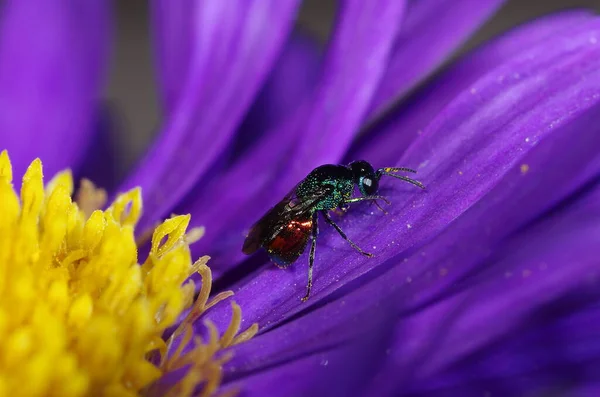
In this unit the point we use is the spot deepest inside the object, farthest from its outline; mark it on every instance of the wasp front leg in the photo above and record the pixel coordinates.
(343, 235)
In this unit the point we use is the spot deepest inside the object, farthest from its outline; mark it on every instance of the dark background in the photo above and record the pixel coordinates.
(132, 92)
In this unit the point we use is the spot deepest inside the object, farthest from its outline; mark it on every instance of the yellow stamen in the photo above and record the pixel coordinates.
(194, 235)
(79, 316)
(89, 198)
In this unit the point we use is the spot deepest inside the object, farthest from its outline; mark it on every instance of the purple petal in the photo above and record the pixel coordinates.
(233, 48)
(342, 368)
(293, 75)
(99, 162)
(174, 37)
(535, 278)
(548, 351)
(319, 132)
(432, 30)
(404, 127)
(524, 285)
(293, 78)
(439, 268)
(52, 65)
(336, 115)
(488, 134)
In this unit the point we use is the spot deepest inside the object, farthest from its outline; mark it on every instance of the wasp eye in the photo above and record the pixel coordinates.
(368, 186)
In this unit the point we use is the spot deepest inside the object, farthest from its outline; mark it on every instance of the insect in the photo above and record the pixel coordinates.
(285, 229)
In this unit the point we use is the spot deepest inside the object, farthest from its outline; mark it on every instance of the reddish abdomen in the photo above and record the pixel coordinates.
(290, 242)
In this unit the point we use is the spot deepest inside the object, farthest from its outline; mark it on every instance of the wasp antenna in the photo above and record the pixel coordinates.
(405, 178)
(396, 169)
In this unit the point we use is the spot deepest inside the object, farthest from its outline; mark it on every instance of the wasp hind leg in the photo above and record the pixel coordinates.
(311, 256)
(341, 233)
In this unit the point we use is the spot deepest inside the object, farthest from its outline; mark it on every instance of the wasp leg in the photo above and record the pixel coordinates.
(341, 210)
(311, 257)
(341, 232)
(365, 198)
(380, 208)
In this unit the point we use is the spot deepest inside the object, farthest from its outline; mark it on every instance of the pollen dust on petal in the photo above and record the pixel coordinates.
(79, 316)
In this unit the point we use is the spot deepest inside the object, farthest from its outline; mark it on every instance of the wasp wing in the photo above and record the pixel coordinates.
(265, 226)
(290, 210)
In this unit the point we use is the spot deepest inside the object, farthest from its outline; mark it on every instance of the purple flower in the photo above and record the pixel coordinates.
(486, 284)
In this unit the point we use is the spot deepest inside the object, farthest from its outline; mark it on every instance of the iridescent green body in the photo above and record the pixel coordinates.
(285, 229)
(338, 180)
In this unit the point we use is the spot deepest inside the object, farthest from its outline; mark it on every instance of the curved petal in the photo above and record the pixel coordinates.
(320, 131)
(405, 125)
(432, 30)
(173, 33)
(527, 285)
(543, 278)
(336, 115)
(99, 162)
(341, 368)
(501, 130)
(53, 58)
(292, 79)
(558, 355)
(234, 47)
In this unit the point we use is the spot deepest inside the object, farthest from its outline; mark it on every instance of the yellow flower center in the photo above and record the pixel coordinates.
(79, 316)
